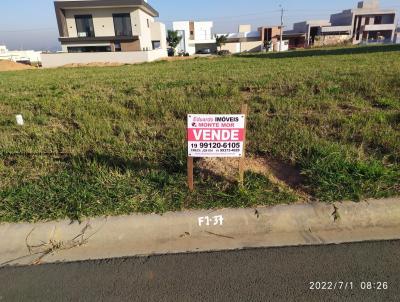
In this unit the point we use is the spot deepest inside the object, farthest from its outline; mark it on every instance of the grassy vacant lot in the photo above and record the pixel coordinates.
(112, 140)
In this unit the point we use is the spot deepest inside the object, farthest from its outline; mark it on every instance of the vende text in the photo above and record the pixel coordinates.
(215, 135)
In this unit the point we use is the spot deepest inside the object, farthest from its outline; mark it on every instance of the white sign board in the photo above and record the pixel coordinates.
(20, 119)
(216, 135)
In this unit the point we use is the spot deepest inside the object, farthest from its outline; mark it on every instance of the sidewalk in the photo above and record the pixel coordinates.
(199, 231)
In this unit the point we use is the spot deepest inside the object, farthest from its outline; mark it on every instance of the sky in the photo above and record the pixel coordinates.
(31, 24)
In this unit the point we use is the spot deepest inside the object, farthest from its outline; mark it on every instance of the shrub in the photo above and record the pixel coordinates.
(224, 52)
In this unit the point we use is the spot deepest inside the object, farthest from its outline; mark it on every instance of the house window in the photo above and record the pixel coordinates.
(84, 25)
(156, 44)
(148, 23)
(122, 25)
(378, 20)
(78, 49)
(118, 47)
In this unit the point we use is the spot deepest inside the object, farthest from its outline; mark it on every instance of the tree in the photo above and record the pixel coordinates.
(268, 45)
(173, 39)
(221, 41)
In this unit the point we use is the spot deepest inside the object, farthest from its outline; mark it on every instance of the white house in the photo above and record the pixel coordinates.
(26, 56)
(195, 36)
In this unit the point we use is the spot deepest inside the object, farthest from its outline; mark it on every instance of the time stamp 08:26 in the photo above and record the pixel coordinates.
(341, 285)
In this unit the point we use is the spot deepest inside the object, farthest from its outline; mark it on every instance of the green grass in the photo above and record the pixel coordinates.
(109, 141)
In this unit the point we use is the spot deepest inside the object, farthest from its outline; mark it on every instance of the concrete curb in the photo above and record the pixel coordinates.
(139, 235)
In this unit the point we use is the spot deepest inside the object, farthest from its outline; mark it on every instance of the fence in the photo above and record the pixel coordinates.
(62, 59)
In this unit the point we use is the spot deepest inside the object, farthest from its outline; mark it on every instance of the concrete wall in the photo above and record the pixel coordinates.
(254, 46)
(281, 46)
(237, 47)
(231, 47)
(331, 40)
(61, 59)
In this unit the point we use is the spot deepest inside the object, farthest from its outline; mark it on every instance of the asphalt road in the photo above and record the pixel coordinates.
(275, 274)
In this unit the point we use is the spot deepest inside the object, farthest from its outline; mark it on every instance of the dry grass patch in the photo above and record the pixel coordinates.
(283, 175)
(94, 64)
(11, 66)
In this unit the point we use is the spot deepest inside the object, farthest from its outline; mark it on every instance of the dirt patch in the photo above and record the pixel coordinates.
(95, 64)
(109, 64)
(6, 110)
(172, 59)
(10, 66)
(177, 58)
(277, 172)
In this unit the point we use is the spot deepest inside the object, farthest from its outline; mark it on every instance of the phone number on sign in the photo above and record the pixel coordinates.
(216, 145)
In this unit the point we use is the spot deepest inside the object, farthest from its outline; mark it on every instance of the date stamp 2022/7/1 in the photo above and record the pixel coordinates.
(345, 285)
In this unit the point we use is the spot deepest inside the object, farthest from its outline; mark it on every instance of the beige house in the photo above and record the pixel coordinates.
(116, 31)
(245, 40)
(270, 37)
(368, 23)
(311, 29)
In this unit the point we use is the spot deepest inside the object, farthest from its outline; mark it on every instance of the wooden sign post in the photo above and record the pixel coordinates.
(216, 135)
(190, 173)
(242, 160)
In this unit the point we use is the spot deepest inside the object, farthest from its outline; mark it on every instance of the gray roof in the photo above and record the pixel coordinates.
(65, 4)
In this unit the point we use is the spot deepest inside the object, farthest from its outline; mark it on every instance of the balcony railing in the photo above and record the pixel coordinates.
(379, 27)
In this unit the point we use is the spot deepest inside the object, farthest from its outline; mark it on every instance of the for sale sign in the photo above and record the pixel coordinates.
(216, 135)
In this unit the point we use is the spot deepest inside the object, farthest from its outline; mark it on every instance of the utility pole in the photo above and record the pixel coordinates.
(281, 39)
